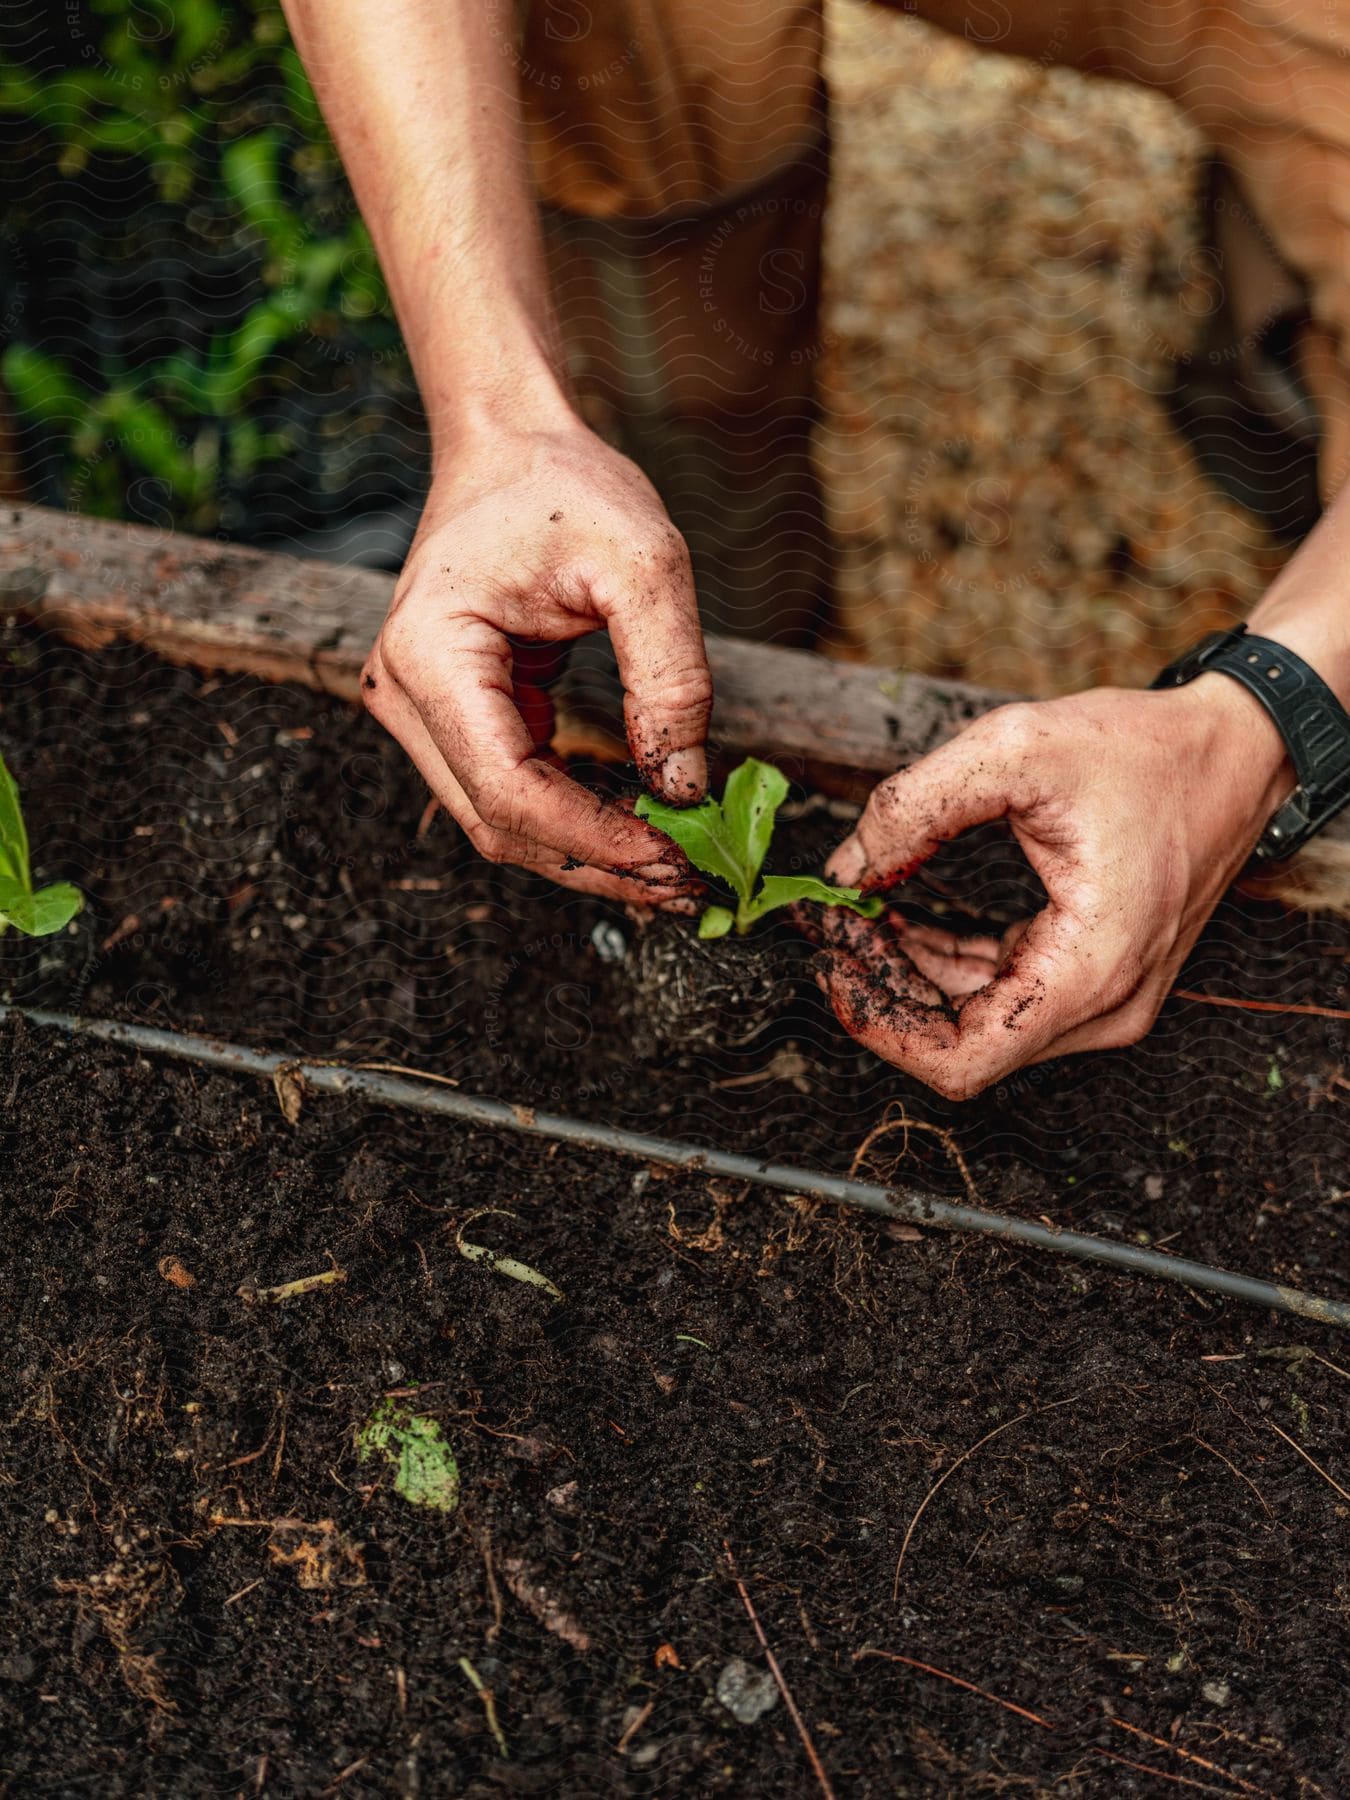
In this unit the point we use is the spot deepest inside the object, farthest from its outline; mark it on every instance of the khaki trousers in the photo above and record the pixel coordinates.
(680, 154)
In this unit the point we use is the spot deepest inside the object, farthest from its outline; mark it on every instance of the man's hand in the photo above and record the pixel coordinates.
(535, 532)
(1135, 809)
(528, 541)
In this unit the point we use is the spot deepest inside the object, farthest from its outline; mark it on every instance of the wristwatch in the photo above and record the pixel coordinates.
(1308, 716)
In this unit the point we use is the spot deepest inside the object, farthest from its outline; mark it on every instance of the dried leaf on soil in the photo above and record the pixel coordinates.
(510, 1266)
(536, 1599)
(290, 1087)
(321, 1555)
(291, 1290)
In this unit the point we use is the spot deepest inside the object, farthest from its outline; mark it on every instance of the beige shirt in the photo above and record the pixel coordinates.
(643, 109)
(639, 108)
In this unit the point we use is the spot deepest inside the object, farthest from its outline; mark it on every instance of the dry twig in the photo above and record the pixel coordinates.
(1263, 1006)
(1204, 1787)
(291, 1290)
(957, 1681)
(947, 1473)
(1329, 1479)
(1202, 1762)
(812, 1754)
(1236, 1471)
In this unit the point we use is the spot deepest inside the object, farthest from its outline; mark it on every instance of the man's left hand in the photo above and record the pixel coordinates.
(1136, 810)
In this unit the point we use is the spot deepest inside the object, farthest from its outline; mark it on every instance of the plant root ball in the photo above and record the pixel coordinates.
(687, 993)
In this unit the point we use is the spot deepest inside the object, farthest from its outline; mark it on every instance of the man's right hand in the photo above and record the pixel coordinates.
(535, 531)
(531, 539)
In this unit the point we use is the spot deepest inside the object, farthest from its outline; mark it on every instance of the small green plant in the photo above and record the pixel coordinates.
(35, 914)
(423, 1464)
(729, 839)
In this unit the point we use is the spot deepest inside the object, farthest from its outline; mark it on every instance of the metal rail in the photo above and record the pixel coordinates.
(907, 1203)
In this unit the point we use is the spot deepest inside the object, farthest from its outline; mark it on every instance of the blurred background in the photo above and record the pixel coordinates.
(196, 331)
(1017, 295)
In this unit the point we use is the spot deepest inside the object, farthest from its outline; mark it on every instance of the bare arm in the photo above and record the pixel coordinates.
(534, 531)
(420, 96)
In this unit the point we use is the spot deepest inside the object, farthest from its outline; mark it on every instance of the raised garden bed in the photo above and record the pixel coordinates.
(1148, 1545)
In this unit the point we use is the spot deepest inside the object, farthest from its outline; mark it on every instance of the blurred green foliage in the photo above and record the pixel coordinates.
(182, 129)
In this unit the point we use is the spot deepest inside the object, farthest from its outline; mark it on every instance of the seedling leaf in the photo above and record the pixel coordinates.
(787, 890)
(13, 833)
(750, 803)
(425, 1470)
(716, 922)
(729, 839)
(38, 915)
(704, 835)
(51, 908)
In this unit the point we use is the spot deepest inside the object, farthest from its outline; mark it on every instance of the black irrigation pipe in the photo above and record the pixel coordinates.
(909, 1204)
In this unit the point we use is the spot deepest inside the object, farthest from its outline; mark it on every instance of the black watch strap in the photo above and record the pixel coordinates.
(1311, 720)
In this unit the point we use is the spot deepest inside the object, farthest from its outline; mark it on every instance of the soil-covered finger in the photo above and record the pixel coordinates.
(460, 682)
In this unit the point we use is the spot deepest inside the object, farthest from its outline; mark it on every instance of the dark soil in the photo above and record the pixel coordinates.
(1142, 1545)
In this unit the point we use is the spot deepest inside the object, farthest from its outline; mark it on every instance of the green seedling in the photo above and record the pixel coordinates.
(729, 839)
(35, 914)
(424, 1466)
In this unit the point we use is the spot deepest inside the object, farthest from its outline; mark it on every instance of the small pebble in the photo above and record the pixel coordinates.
(747, 1692)
(1217, 1693)
(608, 942)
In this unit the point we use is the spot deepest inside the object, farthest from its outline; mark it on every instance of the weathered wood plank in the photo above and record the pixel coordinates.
(224, 608)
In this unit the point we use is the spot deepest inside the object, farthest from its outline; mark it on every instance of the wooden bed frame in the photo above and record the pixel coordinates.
(222, 608)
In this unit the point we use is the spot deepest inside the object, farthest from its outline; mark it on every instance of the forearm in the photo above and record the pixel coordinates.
(1306, 609)
(1308, 605)
(420, 96)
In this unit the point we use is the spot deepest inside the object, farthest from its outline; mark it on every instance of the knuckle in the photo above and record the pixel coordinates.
(398, 650)
(503, 801)
(492, 846)
(497, 803)
(662, 550)
(885, 801)
(1015, 729)
(884, 819)
(689, 691)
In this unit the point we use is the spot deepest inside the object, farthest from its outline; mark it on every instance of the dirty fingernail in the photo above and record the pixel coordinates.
(683, 777)
(848, 865)
(659, 874)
